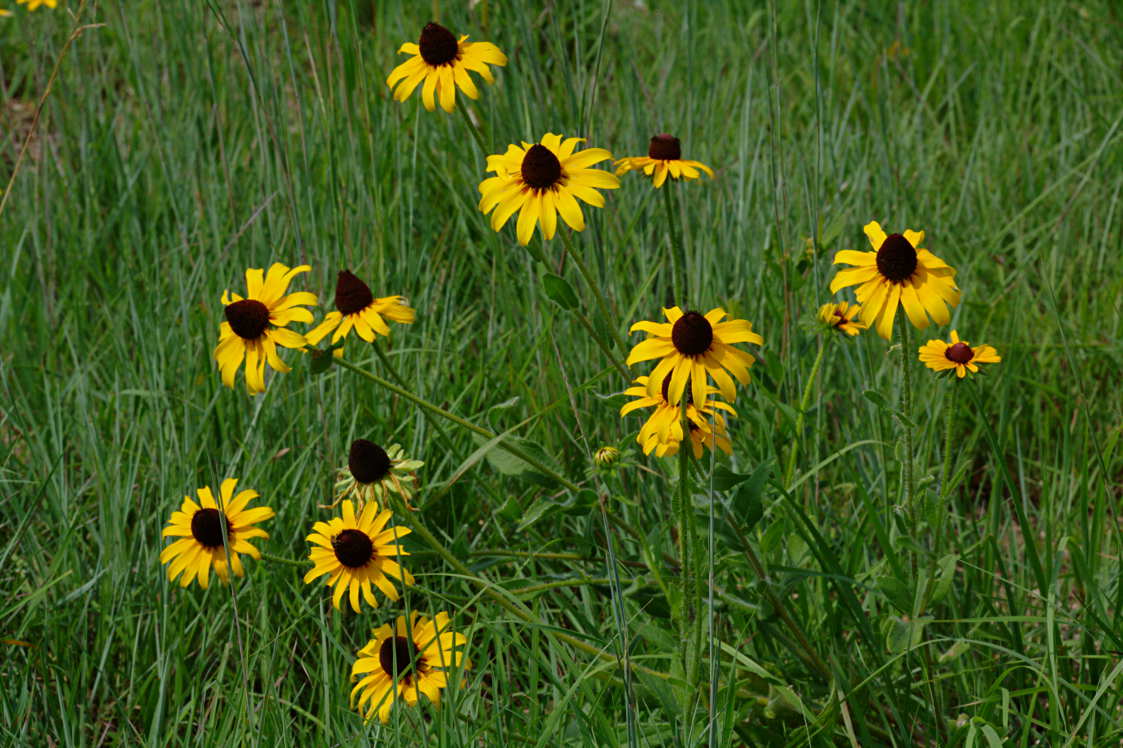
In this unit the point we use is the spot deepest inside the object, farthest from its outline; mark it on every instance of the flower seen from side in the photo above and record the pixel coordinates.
(662, 432)
(898, 273)
(441, 63)
(413, 657)
(691, 345)
(938, 355)
(257, 324)
(35, 4)
(663, 159)
(541, 182)
(372, 473)
(843, 317)
(199, 527)
(356, 552)
(357, 309)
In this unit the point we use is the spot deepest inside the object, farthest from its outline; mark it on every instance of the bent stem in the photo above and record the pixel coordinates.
(803, 403)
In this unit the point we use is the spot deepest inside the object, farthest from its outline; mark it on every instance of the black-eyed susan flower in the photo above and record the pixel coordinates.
(411, 658)
(544, 180)
(443, 62)
(941, 356)
(662, 432)
(199, 529)
(34, 4)
(356, 308)
(373, 472)
(842, 317)
(257, 324)
(898, 271)
(356, 552)
(690, 345)
(4, 12)
(663, 159)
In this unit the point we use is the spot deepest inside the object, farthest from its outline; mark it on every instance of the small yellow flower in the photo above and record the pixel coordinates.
(541, 181)
(443, 63)
(357, 309)
(606, 456)
(34, 4)
(842, 317)
(664, 157)
(199, 527)
(940, 356)
(662, 432)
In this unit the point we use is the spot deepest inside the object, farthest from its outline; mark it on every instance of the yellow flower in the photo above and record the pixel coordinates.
(842, 317)
(34, 4)
(542, 180)
(199, 527)
(443, 63)
(940, 356)
(664, 156)
(401, 662)
(662, 432)
(4, 12)
(257, 324)
(691, 346)
(356, 552)
(898, 272)
(357, 309)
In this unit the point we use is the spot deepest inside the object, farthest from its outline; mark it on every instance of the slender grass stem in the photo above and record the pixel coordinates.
(906, 411)
(804, 401)
(597, 289)
(678, 256)
(949, 420)
(473, 128)
(685, 515)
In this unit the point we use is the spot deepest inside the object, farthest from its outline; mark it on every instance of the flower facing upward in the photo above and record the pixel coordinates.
(356, 552)
(357, 309)
(898, 272)
(199, 527)
(399, 663)
(690, 345)
(443, 62)
(940, 356)
(257, 324)
(662, 432)
(842, 317)
(664, 156)
(542, 180)
(373, 472)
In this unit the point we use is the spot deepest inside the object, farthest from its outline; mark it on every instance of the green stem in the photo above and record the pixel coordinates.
(596, 288)
(283, 560)
(616, 363)
(688, 579)
(906, 411)
(509, 448)
(803, 403)
(516, 609)
(678, 258)
(949, 420)
(473, 128)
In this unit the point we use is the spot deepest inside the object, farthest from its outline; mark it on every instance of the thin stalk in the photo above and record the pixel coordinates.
(595, 287)
(949, 420)
(283, 560)
(509, 448)
(906, 410)
(516, 609)
(688, 578)
(803, 403)
(678, 255)
(473, 128)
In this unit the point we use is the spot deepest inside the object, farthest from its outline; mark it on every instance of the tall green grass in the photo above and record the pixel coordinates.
(184, 142)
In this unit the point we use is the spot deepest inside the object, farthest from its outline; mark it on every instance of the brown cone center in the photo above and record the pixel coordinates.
(438, 45)
(541, 168)
(248, 318)
(353, 548)
(351, 294)
(896, 259)
(692, 334)
(960, 353)
(367, 461)
(664, 147)
(399, 657)
(205, 528)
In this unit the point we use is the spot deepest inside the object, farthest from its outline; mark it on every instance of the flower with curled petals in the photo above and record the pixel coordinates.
(441, 62)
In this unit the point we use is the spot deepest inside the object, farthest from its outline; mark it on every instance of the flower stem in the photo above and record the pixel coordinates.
(803, 403)
(688, 579)
(283, 560)
(595, 287)
(506, 447)
(949, 420)
(906, 411)
(678, 256)
(473, 128)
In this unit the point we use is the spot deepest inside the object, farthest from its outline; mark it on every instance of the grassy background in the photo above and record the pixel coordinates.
(184, 142)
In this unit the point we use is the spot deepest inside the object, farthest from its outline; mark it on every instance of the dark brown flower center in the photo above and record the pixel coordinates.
(353, 548)
(960, 353)
(689, 392)
(438, 45)
(399, 657)
(248, 318)
(367, 461)
(692, 334)
(206, 529)
(896, 260)
(664, 147)
(541, 168)
(351, 294)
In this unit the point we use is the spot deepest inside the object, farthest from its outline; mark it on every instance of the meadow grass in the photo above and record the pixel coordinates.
(184, 142)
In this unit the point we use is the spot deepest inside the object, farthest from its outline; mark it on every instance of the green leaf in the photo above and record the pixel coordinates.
(946, 566)
(906, 633)
(321, 361)
(559, 291)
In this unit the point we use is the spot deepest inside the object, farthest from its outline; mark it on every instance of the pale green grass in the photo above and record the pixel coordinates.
(185, 142)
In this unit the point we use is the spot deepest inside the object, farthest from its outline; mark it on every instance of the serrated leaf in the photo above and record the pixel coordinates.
(559, 291)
